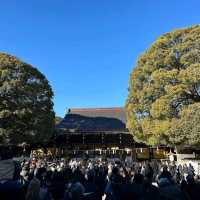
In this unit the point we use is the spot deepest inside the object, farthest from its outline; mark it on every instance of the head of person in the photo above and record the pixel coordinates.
(115, 171)
(78, 175)
(148, 176)
(77, 191)
(163, 182)
(33, 189)
(138, 178)
(90, 175)
(165, 168)
(190, 179)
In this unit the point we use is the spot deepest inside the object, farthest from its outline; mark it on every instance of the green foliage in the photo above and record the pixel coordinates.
(163, 87)
(26, 108)
(57, 119)
(186, 128)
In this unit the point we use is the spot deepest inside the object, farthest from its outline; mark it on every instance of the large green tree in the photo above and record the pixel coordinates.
(26, 108)
(164, 90)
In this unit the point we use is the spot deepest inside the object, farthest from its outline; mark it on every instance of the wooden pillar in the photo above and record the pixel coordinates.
(102, 138)
(135, 151)
(67, 139)
(83, 137)
(120, 139)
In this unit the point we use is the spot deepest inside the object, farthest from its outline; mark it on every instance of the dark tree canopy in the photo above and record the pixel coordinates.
(26, 108)
(163, 104)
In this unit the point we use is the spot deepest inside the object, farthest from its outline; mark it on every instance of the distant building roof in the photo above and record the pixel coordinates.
(94, 119)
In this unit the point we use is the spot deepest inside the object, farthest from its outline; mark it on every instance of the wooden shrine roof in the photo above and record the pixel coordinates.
(94, 119)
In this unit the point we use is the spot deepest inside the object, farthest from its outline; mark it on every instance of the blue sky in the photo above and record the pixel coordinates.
(87, 48)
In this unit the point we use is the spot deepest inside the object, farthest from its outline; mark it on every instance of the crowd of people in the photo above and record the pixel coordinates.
(77, 179)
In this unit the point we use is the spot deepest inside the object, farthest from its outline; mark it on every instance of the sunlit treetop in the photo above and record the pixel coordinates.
(164, 82)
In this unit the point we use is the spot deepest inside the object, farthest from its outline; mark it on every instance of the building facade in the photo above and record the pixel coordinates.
(94, 128)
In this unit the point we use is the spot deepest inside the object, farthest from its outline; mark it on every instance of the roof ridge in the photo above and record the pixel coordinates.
(97, 108)
(71, 110)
